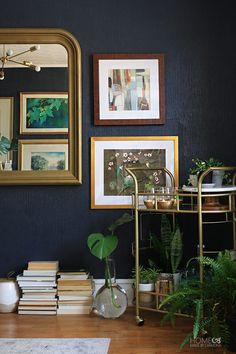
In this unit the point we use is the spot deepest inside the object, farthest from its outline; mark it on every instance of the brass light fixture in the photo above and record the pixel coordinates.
(9, 56)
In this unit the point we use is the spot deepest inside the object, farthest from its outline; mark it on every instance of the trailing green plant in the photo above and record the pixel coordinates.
(102, 246)
(202, 165)
(212, 303)
(147, 275)
(168, 247)
(7, 145)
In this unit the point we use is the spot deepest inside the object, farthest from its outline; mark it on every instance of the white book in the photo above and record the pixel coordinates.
(36, 283)
(37, 312)
(74, 307)
(41, 297)
(28, 272)
(40, 290)
(38, 308)
(73, 311)
(74, 277)
(71, 297)
(37, 302)
(36, 278)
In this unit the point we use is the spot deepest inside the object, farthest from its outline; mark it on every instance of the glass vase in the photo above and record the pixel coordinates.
(111, 300)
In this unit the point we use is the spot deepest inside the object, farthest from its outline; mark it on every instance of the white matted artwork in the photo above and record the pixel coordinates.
(6, 119)
(110, 185)
(43, 155)
(128, 89)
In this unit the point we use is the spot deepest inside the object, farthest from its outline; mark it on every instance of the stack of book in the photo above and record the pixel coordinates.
(75, 291)
(39, 289)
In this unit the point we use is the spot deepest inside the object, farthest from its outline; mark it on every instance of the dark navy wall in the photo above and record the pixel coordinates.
(198, 39)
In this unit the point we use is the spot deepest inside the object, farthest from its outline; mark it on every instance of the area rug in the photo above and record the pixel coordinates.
(54, 345)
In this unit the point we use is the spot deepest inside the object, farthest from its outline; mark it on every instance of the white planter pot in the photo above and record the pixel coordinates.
(146, 287)
(217, 178)
(145, 299)
(9, 295)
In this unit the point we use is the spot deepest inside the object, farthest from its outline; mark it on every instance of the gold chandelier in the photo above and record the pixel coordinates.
(9, 56)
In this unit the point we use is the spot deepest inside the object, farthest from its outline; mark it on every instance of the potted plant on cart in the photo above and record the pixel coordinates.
(217, 177)
(147, 279)
(168, 250)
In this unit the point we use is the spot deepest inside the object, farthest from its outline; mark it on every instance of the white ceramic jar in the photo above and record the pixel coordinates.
(9, 295)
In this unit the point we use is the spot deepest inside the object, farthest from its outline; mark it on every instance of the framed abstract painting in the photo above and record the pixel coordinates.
(129, 89)
(43, 113)
(111, 187)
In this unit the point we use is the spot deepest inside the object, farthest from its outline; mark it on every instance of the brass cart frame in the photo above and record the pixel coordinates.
(196, 206)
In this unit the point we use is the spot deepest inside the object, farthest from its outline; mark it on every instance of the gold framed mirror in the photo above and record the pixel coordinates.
(46, 124)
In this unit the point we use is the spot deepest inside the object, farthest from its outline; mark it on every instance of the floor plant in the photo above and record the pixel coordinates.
(211, 303)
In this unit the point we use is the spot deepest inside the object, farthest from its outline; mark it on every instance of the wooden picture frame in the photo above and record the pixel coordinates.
(44, 113)
(43, 155)
(129, 89)
(109, 156)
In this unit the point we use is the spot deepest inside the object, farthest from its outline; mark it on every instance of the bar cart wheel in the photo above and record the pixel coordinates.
(139, 321)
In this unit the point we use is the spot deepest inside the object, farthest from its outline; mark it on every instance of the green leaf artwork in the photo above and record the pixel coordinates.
(47, 112)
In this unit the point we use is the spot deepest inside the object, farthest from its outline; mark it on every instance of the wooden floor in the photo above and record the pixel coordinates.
(126, 337)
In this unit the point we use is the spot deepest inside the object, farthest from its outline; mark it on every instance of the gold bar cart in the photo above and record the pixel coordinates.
(197, 203)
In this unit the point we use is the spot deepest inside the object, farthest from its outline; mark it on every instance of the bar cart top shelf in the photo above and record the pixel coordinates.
(226, 188)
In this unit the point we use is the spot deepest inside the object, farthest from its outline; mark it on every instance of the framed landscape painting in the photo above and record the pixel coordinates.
(43, 155)
(43, 113)
(129, 89)
(111, 186)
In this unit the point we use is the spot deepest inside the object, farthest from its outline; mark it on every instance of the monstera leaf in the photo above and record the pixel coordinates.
(102, 246)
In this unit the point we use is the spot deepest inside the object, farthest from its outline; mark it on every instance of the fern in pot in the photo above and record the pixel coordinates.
(211, 303)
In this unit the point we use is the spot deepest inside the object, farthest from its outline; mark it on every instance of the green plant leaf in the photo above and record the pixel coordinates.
(102, 246)
(125, 218)
(196, 326)
(176, 250)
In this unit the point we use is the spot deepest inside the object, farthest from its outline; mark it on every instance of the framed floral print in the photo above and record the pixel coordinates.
(111, 187)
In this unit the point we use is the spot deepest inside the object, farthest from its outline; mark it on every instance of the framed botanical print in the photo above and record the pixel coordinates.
(43, 155)
(129, 89)
(111, 187)
(44, 113)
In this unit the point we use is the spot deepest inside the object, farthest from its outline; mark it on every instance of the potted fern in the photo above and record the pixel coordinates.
(211, 303)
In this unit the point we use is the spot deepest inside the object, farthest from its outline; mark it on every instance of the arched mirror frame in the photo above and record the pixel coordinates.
(66, 39)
